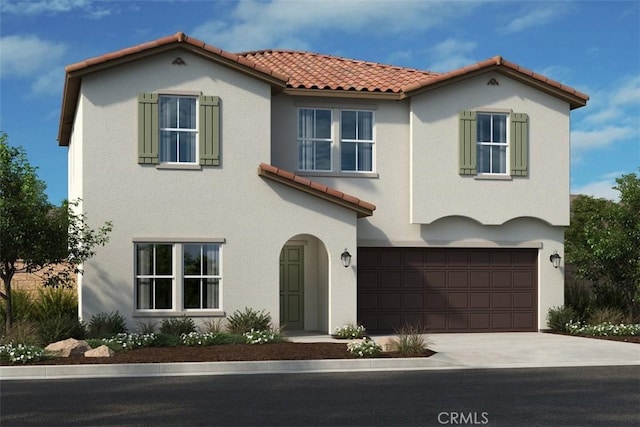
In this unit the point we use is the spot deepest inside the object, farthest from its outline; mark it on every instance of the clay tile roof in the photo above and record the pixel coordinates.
(575, 98)
(332, 195)
(308, 70)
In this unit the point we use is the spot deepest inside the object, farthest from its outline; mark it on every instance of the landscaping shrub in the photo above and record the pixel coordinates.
(211, 338)
(166, 340)
(364, 348)
(559, 317)
(20, 354)
(177, 326)
(410, 341)
(23, 332)
(580, 296)
(212, 326)
(261, 337)
(22, 306)
(55, 303)
(148, 327)
(105, 325)
(241, 322)
(124, 341)
(350, 330)
(604, 329)
(611, 315)
(59, 328)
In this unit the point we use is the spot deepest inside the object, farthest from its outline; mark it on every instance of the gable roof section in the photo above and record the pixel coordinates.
(314, 71)
(74, 72)
(575, 98)
(360, 207)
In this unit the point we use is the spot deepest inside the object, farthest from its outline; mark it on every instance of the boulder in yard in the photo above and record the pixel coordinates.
(68, 347)
(387, 344)
(102, 351)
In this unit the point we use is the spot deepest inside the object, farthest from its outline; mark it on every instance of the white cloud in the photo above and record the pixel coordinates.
(26, 56)
(451, 54)
(539, 14)
(49, 83)
(286, 24)
(602, 137)
(601, 189)
(42, 6)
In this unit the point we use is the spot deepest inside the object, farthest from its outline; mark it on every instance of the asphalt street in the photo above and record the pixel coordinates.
(510, 397)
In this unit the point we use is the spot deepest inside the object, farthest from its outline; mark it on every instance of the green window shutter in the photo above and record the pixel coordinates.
(519, 144)
(148, 128)
(468, 140)
(209, 130)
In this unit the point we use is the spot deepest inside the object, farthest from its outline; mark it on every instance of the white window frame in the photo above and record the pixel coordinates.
(336, 142)
(193, 130)
(203, 277)
(177, 277)
(358, 141)
(313, 140)
(153, 277)
(488, 145)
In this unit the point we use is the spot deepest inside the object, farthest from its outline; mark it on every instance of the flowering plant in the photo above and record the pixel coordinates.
(20, 354)
(350, 331)
(124, 341)
(603, 329)
(364, 348)
(261, 337)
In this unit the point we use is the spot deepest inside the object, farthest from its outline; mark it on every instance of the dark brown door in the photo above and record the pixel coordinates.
(448, 290)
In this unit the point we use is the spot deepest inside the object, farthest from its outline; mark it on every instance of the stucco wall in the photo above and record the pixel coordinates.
(231, 202)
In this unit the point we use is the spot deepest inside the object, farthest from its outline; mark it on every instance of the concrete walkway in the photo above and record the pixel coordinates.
(455, 351)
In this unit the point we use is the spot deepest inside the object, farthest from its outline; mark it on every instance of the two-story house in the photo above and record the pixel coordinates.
(321, 189)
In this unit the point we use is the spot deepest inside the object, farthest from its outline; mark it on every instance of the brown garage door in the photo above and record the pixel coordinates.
(447, 290)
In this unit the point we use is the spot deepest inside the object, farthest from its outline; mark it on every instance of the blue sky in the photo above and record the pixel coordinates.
(593, 46)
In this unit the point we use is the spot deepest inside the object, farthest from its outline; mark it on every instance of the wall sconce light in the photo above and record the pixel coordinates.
(555, 259)
(346, 258)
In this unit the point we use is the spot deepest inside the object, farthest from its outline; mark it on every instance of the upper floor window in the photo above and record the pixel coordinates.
(492, 143)
(178, 129)
(356, 140)
(314, 139)
(318, 149)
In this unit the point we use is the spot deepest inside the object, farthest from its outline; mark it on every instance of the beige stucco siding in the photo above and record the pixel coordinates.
(437, 188)
(231, 202)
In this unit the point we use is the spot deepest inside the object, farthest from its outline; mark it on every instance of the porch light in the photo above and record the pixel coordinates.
(555, 259)
(346, 258)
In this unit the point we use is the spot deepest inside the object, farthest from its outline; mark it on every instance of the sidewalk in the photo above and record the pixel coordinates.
(455, 351)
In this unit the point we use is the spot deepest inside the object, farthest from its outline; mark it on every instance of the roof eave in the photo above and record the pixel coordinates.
(334, 93)
(574, 98)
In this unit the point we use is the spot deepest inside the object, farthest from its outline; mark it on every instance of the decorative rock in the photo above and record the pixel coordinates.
(102, 351)
(387, 344)
(68, 347)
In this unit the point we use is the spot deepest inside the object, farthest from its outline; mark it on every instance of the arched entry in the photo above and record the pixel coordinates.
(304, 285)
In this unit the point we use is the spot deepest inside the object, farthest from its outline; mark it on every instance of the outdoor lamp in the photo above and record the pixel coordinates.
(346, 258)
(555, 259)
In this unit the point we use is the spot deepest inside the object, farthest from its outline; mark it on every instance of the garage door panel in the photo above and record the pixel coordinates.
(448, 289)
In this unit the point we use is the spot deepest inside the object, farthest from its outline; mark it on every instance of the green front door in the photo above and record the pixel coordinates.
(292, 287)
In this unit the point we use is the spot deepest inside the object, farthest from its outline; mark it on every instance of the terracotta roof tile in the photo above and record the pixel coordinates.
(290, 179)
(308, 70)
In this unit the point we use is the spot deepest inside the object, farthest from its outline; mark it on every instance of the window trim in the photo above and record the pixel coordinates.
(357, 141)
(491, 144)
(202, 276)
(315, 140)
(195, 130)
(336, 140)
(177, 278)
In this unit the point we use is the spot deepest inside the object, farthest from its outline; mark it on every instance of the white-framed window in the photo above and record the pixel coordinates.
(154, 276)
(314, 139)
(178, 129)
(201, 276)
(178, 276)
(335, 139)
(356, 140)
(492, 145)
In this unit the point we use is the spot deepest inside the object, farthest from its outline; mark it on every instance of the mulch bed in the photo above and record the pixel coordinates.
(219, 353)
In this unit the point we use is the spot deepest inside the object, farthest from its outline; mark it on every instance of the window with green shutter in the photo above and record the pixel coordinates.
(487, 147)
(175, 129)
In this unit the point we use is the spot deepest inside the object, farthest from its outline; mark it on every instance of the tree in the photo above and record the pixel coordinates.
(603, 241)
(35, 235)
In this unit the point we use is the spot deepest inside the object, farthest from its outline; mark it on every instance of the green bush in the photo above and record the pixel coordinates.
(364, 348)
(59, 328)
(212, 326)
(241, 322)
(56, 303)
(604, 329)
(410, 341)
(262, 337)
(610, 315)
(177, 326)
(22, 306)
(559, 317)
(166, 340)
(147, 327)
(580, 296)
(350, 331)
(23, 332)
(105, 325)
